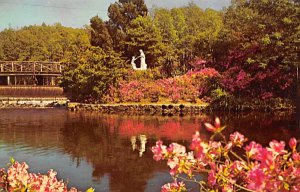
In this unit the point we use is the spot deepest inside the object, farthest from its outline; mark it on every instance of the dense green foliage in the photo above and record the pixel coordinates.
(252, 44)
(89, 76)
(42, 43)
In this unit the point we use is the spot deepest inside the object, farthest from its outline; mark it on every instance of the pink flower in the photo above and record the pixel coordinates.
(195, 141)
(293, 143)
(173, 187)
(199, 147)
(253, 149)
(237, 166)
(176, 149)
(238, 139)
(17, 175)
(212, 178)
(256, 180)
(266, 158)
(296, 157)
(215, 149)
(159, 150)
(277, 147)
(174, 165)
(228, 146)
(214, 128)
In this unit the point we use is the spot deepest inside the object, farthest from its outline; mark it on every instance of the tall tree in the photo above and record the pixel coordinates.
(164, 21)
(99, 34)
(143, 34)
(120, 15)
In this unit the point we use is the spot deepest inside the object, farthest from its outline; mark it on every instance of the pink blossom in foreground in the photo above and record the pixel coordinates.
(213, 128)
(250, 168)
(174, 165)
(159, 149)
(257, 180)
(17, 178)
(293, 143)
(237, 139)
(198, 146)
(253, 149)
(173, 187)
(176, 149)
(277, 147)
(212, 180)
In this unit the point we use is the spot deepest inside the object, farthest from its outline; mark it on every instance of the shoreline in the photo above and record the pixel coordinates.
(164, 109)
(136, 108)
(140, 108)
(33, 102)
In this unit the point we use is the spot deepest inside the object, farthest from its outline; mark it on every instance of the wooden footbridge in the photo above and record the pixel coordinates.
(30, 73)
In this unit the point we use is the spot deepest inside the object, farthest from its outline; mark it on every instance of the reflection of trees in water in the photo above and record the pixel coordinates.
(91, 139)
(263, 127)
(35, 128)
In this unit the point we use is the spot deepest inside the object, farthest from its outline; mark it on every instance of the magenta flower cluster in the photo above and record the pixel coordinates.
(231, 164)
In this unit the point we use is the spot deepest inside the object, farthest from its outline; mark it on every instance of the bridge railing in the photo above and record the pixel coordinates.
(31, 67)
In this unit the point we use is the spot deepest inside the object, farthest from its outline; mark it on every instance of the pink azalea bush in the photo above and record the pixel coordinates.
(186, 87)
(231, 164)
(17, 178)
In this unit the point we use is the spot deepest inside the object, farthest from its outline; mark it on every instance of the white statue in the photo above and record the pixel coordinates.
(133, 63)
(143, 60)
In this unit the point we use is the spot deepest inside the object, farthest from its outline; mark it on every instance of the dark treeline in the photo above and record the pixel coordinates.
(253, 44)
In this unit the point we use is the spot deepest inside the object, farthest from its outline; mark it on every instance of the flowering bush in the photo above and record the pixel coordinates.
(230, 165)
(187, 87)
(132, 91)
(17, 178)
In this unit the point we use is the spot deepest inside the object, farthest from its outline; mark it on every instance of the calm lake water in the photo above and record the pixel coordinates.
(111, 153)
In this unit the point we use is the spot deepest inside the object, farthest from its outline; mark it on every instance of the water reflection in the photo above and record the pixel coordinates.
(112, 152)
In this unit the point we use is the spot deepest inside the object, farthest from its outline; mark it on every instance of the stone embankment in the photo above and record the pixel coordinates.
(168, 109)
(34, 102)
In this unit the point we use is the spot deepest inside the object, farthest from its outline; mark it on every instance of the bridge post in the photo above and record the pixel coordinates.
(8, 80)
(52, 81)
